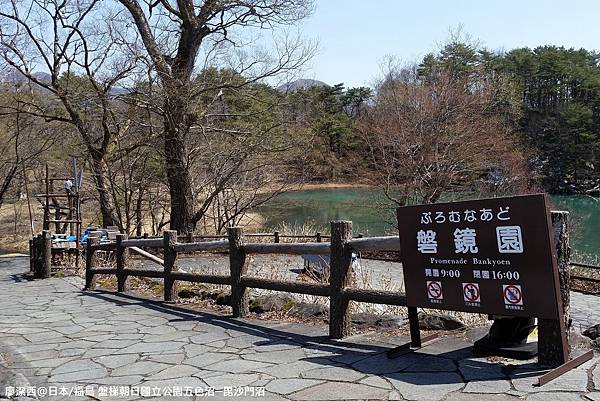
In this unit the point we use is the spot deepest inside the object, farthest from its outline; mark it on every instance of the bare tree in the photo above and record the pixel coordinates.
(185, 37)
(64, 51)
(22, 142)
(428, 137)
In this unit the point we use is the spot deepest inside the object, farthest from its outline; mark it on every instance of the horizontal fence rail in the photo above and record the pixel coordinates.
(375, 244)
(291, 248)
(339, 251)
(213, 246)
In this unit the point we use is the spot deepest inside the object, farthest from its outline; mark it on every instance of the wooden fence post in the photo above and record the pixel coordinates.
(550, 352)
(31, 256)
(237, 265)
(170, 256)
(319, 237)
(37, 259)
(46, 250)
(276, 237)
(90, 262)
(121, 255)
(340, 275)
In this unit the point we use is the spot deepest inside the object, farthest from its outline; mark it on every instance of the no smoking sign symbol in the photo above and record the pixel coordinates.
(512, 294)
(434, 290)
(471, 292)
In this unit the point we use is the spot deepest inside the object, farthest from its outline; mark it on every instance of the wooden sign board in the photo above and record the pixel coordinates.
(491, 256)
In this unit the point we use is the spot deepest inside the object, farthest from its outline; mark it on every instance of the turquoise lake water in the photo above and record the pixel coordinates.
(371, 214)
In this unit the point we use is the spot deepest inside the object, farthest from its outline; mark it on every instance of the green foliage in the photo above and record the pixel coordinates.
(332, 113)
(550, 94)
(561, 101)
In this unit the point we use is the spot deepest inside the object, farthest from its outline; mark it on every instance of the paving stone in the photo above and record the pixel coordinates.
(264, 346)
(279, 357)
(72, 352)
(380, 364)
(334, 373)
(139, 368)
(457, 396)
(178, 382)
(480, 369)
(237, 366)
(340, 391)
(129, 380)
(115, 361)
(187, 325)
(9, 378)
(87, 340)
(93, 353)
(555, 396)
(596, 377)
(204, 374)
(573, 381)
(294, 369)
(153, 347)
(174, 359)
(38, 347)
(487, 387)
(60, 379)
(34, 356)
(76, 366)
(209, 338)
(426, 386)
(288, 386)
(130, 336)
(231, 380)
(115, 343)
(207, 359)
(158, 330)
(174, 372)
(376, 381)
(428, 363)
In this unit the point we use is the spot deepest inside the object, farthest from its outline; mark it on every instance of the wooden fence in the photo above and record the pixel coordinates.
(338, 290)
(339, 249)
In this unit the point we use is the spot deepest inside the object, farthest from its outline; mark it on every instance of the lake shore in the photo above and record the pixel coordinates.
(327, 185)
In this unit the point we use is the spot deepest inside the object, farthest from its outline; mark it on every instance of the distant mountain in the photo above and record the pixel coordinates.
(300, 84)
(14, 77)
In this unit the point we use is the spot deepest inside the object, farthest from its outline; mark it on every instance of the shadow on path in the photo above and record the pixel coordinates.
(449, 361)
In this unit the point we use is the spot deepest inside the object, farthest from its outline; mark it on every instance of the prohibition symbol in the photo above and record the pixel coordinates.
(471, 292)
(512, 294)
(434, 290)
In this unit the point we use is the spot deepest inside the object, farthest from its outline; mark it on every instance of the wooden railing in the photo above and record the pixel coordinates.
(339, 249)
(275, 235)
(338, 289)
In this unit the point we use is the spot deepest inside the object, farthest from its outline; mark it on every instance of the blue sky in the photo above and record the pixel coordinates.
(355, 36)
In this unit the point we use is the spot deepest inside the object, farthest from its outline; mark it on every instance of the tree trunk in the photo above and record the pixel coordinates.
(7, 181)
(139, 218)
(178, 174)
(100, 171)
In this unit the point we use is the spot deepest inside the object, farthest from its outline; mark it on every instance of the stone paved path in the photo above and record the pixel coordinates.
(52, 333)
